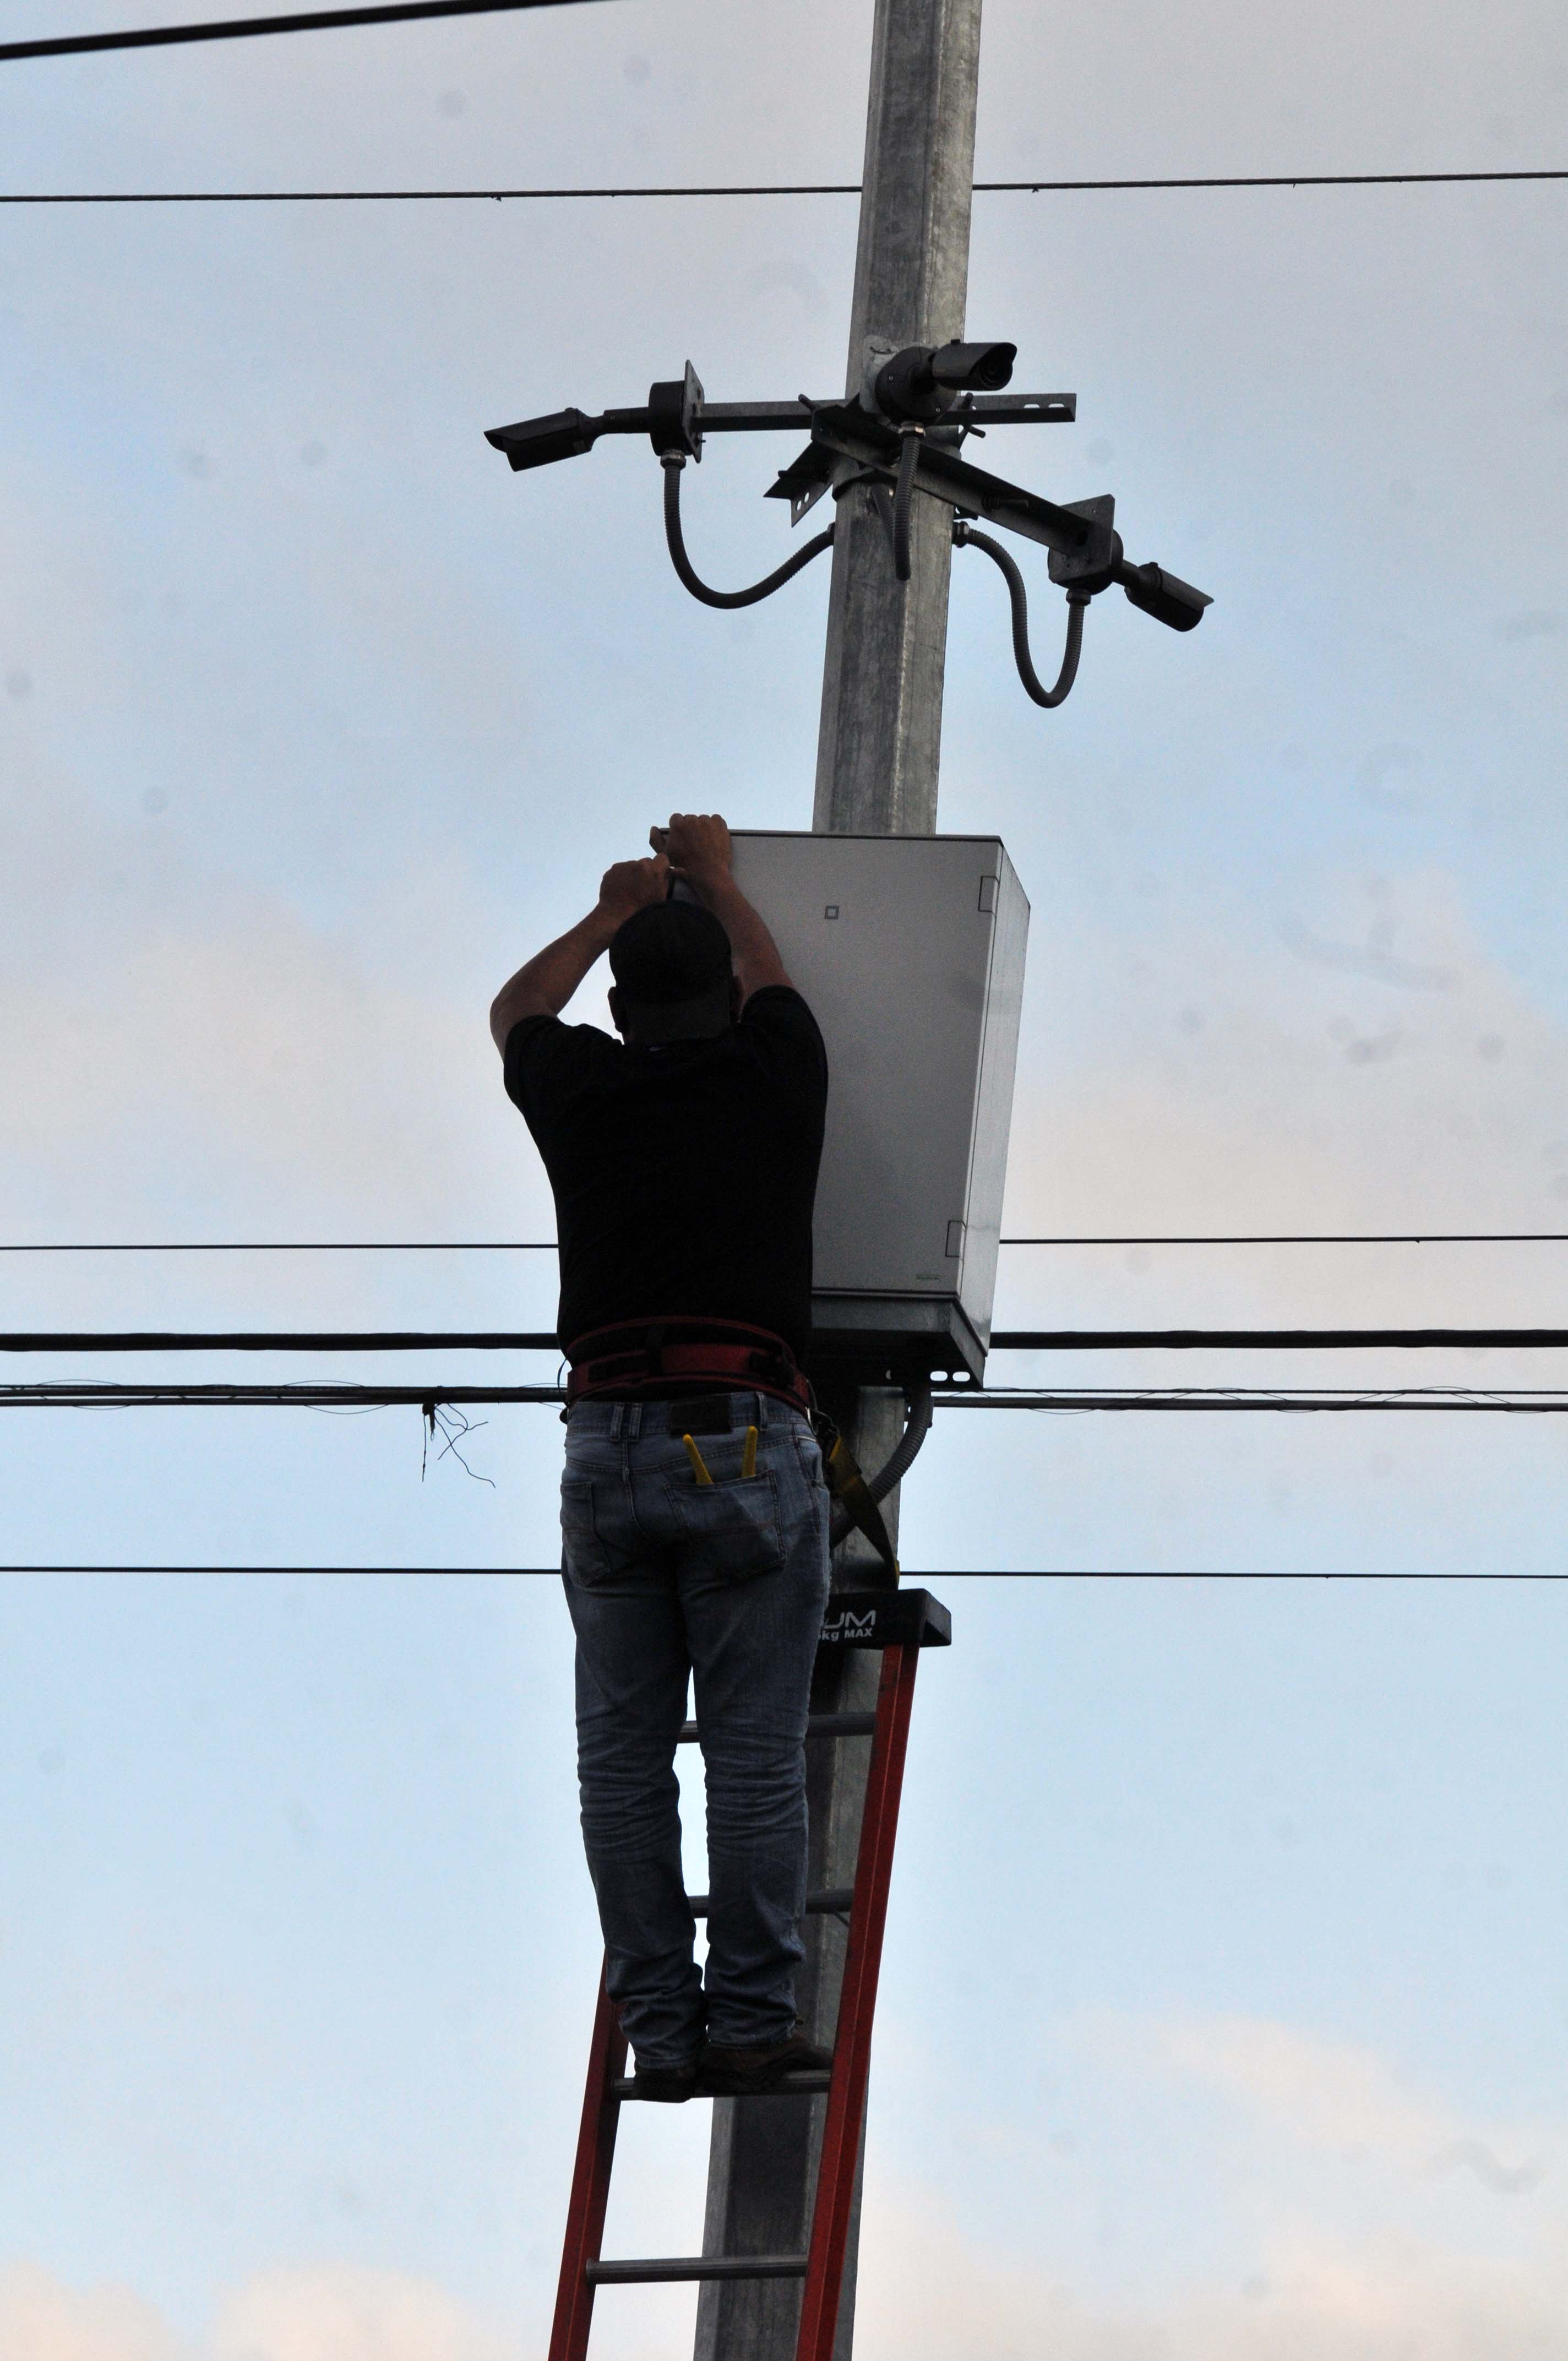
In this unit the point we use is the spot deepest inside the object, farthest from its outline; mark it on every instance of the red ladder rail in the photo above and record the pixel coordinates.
(590, 2185)
(857, 2009)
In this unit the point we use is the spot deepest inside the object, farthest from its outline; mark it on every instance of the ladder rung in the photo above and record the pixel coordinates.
(832, 1898)
(820, 1725)
(697, 2267)
(797, 2085)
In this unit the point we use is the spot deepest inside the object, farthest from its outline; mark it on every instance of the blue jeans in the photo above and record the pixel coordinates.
(668, 1578)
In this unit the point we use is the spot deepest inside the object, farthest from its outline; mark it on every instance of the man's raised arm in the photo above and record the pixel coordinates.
(696, 845)
(542, 986)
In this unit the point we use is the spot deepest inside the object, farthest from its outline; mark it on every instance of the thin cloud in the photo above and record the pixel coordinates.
(43, 2320)
(1341, 2097)
(336, 2311)
(926, 2294)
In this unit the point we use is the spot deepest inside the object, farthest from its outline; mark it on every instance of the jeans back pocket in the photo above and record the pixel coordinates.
(733, 1527)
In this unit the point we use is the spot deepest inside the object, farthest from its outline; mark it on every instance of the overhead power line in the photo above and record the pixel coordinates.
(1322, 1238)
(289, 1245)
(240, 28)
(1005, 1340)
(282, 1340)
(1269, 1340)
(59, 1395)
(548, 1246)
(736, 187)
(1275, 181)
(950, 1574)
(349, 1399)
(1520, 1401)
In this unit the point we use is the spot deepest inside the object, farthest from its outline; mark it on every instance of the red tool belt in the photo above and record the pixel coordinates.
(641, 1357)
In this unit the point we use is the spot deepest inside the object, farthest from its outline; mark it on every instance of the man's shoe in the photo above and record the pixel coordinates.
(746, 2074)
(667, 2084)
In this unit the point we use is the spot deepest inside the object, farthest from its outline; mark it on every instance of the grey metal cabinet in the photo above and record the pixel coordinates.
(910, 951)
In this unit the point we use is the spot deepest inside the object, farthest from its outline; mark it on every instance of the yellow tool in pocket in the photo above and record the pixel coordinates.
(700, 1465)
(698, 1468)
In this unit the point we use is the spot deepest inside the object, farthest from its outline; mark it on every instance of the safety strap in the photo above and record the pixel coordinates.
(849, 1489)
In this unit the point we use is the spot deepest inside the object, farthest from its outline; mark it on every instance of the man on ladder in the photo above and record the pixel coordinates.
(695, 1518)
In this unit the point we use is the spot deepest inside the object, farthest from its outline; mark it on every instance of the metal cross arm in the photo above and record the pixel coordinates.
(677, 415)
(564, 434)
(901, 434)
(844, 433)
(1086, 549)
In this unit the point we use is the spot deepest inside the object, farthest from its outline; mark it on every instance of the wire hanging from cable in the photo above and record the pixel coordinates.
(673, 462)
(965, 537)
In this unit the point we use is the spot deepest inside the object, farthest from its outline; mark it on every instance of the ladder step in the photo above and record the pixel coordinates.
(697, 2267)
(831, 1899)
(794, 2086)
(820, 1725)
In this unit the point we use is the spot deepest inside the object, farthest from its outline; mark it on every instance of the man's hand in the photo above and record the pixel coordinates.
(543, 986)
(696, 845)
(628, 886)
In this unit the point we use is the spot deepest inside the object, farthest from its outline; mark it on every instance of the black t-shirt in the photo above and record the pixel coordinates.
(684, 1174)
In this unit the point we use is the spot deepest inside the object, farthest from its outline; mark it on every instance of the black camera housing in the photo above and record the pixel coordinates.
(539, 442)
(924, 381)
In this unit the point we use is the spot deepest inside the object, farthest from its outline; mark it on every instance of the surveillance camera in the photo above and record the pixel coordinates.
(973, 368)
(1164, 596)
(536, 442)
(923, 380)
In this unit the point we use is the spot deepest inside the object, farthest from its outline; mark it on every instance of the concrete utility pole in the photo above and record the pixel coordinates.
(876, 775)
(882, 684)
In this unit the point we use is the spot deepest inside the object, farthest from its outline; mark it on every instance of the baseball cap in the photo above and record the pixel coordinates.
(669, 951)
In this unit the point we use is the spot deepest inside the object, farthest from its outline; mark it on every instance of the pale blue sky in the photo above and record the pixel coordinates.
(1224, 2010)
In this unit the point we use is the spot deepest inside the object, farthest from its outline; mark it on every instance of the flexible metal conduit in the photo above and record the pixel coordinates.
(917, 1426)
(903, 499)
(673, 463)
(965, 535)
